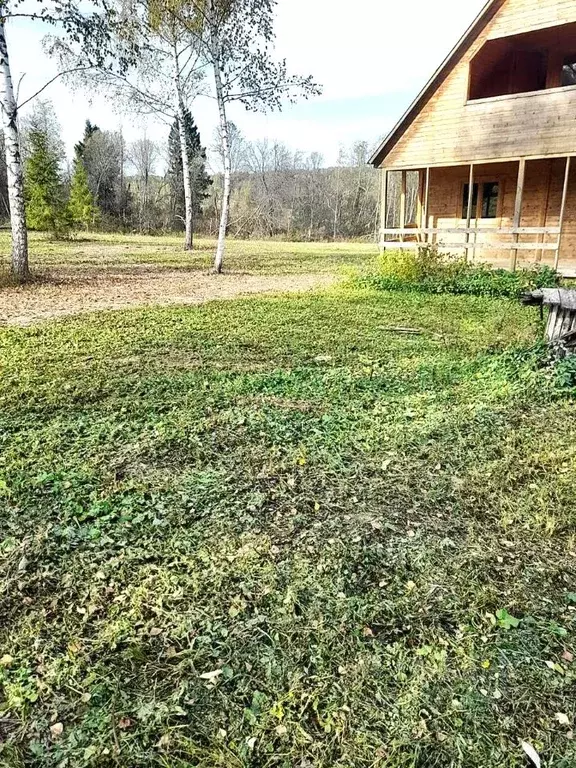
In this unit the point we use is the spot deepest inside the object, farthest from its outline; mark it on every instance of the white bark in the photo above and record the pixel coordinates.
(15, 174)
(225, 139)
(188, 192)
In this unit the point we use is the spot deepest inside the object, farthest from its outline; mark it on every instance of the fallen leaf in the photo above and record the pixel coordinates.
(367, 632)
(562, 718)
(6, 660)
(281, 730)
(533, 756)
(251, 742)
(85, 698)
(125, 723)
(155, 631)
(211, 675)
(567, 656)
(23, 564)
(56, 730)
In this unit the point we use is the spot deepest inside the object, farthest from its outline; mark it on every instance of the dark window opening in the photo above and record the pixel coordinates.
(490, 200)
(569, 71)
(524, 63)
(488, 208)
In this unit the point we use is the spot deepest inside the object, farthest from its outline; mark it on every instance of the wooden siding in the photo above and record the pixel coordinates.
(449, 130)
(525, 15)
(541, 204)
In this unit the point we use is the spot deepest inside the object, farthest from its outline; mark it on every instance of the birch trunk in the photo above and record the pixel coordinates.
(225, 139)
(188, 201)
(19, 266)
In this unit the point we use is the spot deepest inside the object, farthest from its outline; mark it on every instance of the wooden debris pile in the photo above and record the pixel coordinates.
(561, 324)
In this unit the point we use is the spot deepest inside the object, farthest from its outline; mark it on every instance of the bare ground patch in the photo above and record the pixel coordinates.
(72, 294)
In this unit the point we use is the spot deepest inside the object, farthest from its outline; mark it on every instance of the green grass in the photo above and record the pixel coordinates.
(369, 538)
(94, 251)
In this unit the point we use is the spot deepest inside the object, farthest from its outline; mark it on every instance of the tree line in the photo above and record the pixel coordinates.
(138, 186)
(156, 57)
(111, 185)
(277, 192)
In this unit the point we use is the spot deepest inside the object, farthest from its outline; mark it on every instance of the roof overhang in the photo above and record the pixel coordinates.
(486, 14)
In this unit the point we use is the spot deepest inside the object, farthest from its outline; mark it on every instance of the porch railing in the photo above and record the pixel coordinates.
(421, 235)
(429, 236)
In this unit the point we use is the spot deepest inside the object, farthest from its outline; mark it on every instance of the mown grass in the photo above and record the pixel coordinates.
(273, 532)
(118, 252)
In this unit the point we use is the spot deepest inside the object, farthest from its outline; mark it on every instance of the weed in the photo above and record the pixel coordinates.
(274, 532)
(426, 270)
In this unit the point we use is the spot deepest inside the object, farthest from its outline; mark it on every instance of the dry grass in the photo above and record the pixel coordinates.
(30, 304)
(98, 272)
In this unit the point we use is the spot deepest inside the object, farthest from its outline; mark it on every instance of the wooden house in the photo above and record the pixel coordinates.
(491, 137)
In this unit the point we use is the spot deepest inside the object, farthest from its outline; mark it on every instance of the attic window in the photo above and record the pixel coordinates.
(524, 63)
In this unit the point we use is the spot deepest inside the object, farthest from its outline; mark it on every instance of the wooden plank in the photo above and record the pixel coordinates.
(410, 166)
(426, 202)
(518, 209)
(545, 204)
(403, 201)
(552, 315)
(384, 203)
(470, 203)
(471, 230)
(563, 210)
(486, 246)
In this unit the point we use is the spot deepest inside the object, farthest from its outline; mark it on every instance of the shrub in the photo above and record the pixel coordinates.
(427, 271)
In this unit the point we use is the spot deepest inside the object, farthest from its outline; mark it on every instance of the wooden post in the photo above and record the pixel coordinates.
(426, 203)
(518, 209)
(403, 204)
(544, 216)
(469, 207)
(563, 211)
(383, 207)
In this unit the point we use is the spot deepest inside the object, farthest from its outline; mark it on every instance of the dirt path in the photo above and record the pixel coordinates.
(74, 295)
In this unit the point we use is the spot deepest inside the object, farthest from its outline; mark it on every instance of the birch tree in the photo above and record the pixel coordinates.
(84, 27)
(167, 78)
(235, 38)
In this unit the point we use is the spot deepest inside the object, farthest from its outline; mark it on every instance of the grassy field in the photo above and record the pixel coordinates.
(102, 252)
(274, 532)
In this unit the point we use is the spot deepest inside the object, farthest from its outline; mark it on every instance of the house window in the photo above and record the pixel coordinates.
(484, 200)
(490, 191)
(569, 70)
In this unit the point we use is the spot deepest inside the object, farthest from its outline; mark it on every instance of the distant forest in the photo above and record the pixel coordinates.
(112, 185)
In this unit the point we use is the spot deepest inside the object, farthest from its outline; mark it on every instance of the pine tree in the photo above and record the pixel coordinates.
(89, 131)
(45, 205)
(199, 178)
(83, 212)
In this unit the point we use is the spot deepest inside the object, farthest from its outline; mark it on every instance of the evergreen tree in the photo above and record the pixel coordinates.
(89, 130)
(45, 205)
(199, 178)
(81, 204)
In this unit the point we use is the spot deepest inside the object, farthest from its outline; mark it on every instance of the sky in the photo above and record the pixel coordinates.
(371, 57)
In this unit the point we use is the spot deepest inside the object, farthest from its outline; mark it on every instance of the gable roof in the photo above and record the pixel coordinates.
(486, 15)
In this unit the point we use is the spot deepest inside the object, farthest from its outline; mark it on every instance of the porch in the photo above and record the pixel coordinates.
(512, 213)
